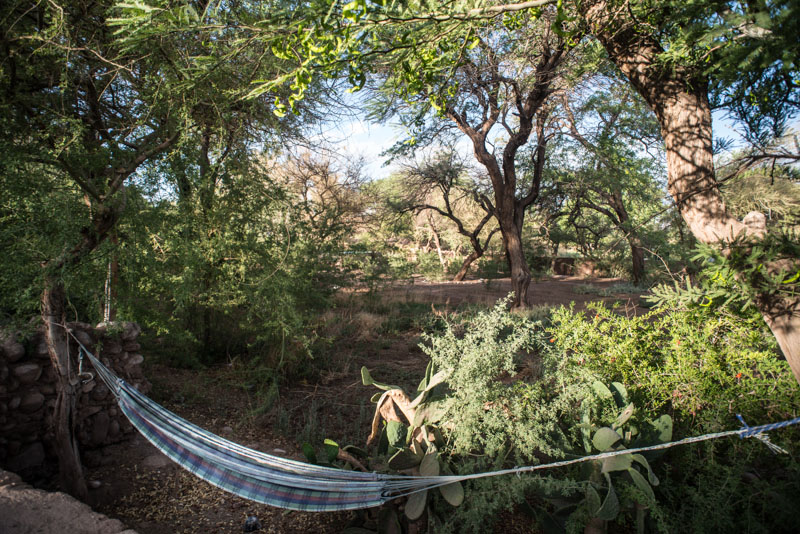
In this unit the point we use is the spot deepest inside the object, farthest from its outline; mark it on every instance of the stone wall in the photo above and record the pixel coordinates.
(28, 393)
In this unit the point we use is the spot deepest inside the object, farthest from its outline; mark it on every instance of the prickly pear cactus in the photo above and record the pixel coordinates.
(410, 435)
(615, 435)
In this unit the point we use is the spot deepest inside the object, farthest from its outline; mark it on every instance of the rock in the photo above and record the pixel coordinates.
(41, 350)
(28, 510)
(100, 428)
(100, 392)
(113, 428)
(131, 347)
(111, 346)
(31, 402)
(130, 331)
(7, 478)
(13, 350)
(134, 360)
(88, 386)
(156, 461)
(30, 457)
(49, 374)
(227, 430)
(13, 447)
(87, 412)
(251, 524)
(94, 484)
(28, 373)
(84, 338)
(3, 372)
(38, 415)
(47, 389)
(14, 403)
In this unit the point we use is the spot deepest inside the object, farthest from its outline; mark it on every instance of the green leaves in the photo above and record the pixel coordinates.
(415, 506)
(367, 380)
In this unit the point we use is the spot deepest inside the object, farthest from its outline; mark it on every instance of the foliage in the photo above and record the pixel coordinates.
(517, 392)
(703, 365)
(611, 423)
(411, 437)
(747, 50)
(230, 275)
(752, 271)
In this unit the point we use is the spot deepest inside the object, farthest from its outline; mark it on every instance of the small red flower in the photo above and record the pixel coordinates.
(678, 342)
(738, 376)
(552, 340)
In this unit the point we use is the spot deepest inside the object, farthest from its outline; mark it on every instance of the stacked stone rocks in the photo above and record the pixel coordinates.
(28, 392)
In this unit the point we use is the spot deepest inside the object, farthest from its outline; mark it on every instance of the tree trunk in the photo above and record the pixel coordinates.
(112, 281)
(784, 322)
(637, 254)
(462, 272)
(679, 99)
(437, 242)
(520, 273)
(64, 416)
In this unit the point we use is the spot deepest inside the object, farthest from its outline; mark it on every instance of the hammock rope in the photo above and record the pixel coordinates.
(294, 485)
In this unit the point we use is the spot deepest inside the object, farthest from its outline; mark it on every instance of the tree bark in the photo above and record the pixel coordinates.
(468, 261)
(71, 476)
(437, 242)
(520, 272)
(637, 255)
(679, 99)
(785, 326)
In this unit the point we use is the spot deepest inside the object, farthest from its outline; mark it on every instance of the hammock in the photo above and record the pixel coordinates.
(293, 485)
(251, 474)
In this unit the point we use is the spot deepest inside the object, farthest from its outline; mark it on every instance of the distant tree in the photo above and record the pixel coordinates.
(442, 184)
(619, 148)
(497, 95)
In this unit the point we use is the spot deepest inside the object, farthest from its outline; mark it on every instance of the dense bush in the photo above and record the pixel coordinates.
(518, 388)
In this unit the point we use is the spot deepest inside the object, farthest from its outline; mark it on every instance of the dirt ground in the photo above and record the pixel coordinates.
(135, 483)
(550, 291)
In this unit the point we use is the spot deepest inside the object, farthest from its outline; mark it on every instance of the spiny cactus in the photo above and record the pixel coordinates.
(619, 435)
(411, 435)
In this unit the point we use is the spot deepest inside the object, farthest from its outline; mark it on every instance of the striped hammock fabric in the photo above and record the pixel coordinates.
(293, 485)
(251, 474)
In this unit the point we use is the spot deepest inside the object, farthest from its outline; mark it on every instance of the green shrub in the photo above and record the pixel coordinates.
(517, 390)
(703, 366)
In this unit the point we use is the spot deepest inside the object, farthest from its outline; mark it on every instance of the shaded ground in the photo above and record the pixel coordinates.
(152, 495)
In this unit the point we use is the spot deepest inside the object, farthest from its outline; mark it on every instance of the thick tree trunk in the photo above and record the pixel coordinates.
(520, 273)
(785, 326)
(679, 98)
(637, 254)
(71, 476)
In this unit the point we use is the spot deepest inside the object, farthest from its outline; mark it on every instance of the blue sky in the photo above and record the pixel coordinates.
(358, 137)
